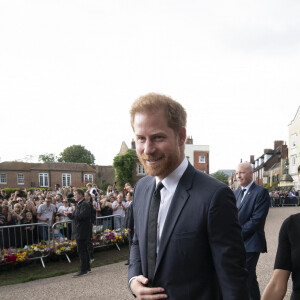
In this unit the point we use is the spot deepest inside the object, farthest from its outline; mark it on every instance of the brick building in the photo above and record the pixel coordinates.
(22, 174)
(267, 168)
(197, 155)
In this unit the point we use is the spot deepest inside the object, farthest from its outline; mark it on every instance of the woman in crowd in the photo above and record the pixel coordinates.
(21, 202)
(106, 211)
(29, 232)
(67, 226)
(30, 207)
(6, 221)
(97, 205)
(287, 260)
(109, 190)
(16, 214)
(16, 219)
(119, 208)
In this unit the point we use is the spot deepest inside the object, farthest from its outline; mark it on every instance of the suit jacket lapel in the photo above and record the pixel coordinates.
(245, 199)
(144, 212)
(180, 197)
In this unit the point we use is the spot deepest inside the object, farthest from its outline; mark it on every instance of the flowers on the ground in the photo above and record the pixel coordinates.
(59, 246)
(63, 247)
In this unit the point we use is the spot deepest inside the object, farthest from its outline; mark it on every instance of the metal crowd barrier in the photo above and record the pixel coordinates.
(101, 234)
(34, 239)
(286, 201)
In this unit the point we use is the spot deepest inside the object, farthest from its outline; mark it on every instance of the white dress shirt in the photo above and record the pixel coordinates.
(166, 194)
(247, 189)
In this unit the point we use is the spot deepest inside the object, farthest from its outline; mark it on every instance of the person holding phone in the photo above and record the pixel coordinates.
(45, 214)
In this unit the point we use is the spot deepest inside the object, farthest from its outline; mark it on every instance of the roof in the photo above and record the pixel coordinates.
(275, 166)
(17, 166)
(298, 111)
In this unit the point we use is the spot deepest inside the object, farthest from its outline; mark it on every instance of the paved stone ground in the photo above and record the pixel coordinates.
(110, 282)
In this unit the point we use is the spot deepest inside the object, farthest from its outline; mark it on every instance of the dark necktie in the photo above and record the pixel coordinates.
(152, 231)
(240, 197)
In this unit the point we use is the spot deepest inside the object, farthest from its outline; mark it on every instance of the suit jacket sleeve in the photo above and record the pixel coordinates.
(135, 267)
(227, 246)
(258, 216)
(83, 212)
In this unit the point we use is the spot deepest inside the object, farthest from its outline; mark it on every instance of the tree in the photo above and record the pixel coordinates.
(221, 176)
(48, 157)
(124, 166)
(77, 154)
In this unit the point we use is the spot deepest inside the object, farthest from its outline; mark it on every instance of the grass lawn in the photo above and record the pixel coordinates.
(12, 274)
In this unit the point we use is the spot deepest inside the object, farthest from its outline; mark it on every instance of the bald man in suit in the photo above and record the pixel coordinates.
(253, 203)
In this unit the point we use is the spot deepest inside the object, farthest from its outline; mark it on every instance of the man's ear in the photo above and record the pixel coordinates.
(182, 136)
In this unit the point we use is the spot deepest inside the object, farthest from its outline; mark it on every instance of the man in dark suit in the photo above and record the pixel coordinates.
(253, 205)
(81, 219)
(195, 236)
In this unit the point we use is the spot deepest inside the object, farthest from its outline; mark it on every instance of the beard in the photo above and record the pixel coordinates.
(164, 164)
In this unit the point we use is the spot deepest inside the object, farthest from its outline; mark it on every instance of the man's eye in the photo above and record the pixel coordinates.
(159, 137)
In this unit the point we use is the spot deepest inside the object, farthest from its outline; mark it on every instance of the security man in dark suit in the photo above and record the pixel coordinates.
(81, 219)
(253, 206)
(187, 241)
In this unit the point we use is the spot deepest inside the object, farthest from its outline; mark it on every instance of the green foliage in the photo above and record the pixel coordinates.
(48, 157)
(104, 186)
(221, 176)
(77, 154)
(124, 166)
(13, 190)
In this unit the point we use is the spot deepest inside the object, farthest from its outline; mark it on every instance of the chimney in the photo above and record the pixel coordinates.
(251, 159)
(133, 144)
(189, 140)
(277, 144)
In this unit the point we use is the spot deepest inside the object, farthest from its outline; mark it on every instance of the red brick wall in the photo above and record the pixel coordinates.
(201, 166)
(32, 178)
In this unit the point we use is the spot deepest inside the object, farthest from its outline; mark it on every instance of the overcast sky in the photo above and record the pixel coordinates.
(69, 71)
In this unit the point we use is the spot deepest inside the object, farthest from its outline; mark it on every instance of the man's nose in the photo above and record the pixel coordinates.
(149, 147)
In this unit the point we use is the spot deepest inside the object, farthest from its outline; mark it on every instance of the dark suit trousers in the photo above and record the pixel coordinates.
(83, 253)
(253, 288)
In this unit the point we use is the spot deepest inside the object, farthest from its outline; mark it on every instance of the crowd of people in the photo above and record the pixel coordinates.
(39, 208)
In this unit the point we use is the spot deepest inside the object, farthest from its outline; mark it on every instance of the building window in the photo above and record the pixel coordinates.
(293, 137)
(293, 164)
(66, 180)
(140, 170)
(202, 159)
(44, 180)
(3, 178)
(20, 178)
(88, 178)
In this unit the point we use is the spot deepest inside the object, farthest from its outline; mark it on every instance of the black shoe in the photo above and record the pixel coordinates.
(89, 271)
(126, 264)
(79, 274)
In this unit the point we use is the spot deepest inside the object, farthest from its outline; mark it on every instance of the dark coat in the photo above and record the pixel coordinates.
(201, 249)
(128, 221)
(252, 217)
(81, 221)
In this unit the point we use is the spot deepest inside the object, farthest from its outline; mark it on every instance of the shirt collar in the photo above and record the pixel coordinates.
(171, 181)
(247, 187)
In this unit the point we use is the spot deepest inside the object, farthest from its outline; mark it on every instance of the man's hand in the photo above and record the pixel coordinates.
(138, 287)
